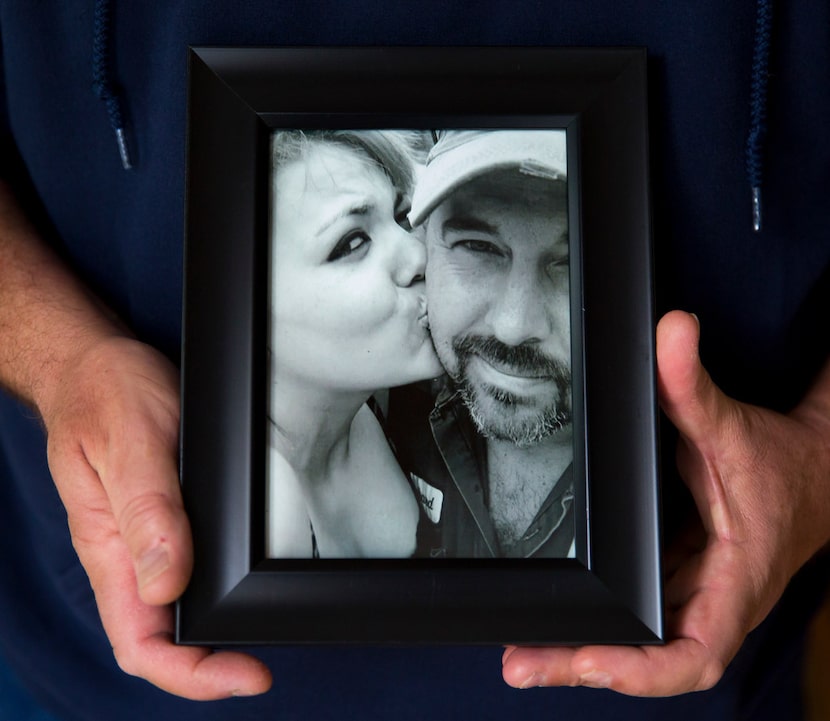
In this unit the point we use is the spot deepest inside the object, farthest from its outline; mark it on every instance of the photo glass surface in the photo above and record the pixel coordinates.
(419, 347)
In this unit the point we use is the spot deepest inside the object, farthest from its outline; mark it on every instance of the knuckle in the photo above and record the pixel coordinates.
(90, 527)
(145, 515)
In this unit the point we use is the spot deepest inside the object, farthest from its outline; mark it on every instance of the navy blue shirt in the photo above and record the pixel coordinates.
(762, 299)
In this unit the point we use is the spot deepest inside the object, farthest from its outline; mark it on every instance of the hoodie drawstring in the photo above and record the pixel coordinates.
(107, 91)
(758, 108)
(102, 80)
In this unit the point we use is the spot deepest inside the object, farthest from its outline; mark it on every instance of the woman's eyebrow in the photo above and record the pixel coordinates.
(357, 209)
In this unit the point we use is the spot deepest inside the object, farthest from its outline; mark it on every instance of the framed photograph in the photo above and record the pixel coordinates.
(418, 385)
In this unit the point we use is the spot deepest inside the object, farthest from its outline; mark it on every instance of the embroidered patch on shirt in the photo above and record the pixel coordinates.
(430, 497)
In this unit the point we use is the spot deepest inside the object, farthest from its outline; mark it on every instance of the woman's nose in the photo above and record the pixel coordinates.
(410, 259)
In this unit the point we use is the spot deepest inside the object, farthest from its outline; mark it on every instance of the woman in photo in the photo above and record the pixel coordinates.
(348, 318)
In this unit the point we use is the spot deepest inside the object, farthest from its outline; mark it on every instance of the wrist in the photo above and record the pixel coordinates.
(48, 318)
(74, 352)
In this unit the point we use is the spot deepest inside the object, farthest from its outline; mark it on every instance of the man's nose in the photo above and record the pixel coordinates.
(518, 313)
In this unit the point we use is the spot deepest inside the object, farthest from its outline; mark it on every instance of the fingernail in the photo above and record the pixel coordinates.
(152, 564)
(596, 679)
(534, 680)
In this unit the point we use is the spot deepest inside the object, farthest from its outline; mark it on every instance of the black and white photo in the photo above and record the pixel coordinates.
(386, 257)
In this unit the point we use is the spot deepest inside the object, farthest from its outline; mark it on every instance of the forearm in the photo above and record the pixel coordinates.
(47, 317)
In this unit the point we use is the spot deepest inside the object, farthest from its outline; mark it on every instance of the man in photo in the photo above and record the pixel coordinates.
(494, 467)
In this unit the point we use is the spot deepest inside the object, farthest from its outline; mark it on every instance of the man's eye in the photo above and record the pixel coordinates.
(479, 246)
(350, 244)
(558, 265)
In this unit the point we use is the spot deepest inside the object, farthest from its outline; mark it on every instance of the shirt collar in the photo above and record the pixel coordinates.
(465, 455)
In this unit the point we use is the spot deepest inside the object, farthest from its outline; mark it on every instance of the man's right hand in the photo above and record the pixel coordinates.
(111, 409)
(112, 424)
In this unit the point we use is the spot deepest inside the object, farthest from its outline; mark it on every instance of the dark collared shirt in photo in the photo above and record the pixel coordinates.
(440, 449)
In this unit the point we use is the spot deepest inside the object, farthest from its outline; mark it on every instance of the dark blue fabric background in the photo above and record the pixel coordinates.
(762, 300)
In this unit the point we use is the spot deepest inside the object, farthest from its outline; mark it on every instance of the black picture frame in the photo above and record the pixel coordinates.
(611, 592)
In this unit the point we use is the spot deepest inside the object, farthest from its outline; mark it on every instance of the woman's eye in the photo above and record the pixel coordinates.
(350, 244)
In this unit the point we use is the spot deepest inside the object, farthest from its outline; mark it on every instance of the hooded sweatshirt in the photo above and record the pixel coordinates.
(90, 88)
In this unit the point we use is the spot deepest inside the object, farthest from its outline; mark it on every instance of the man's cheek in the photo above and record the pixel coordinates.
(454, 279)
(450, 312)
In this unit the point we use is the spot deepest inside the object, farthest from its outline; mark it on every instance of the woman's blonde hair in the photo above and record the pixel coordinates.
(389, 150)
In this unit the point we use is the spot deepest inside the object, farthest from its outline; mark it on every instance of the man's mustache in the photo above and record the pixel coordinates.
(526, 359)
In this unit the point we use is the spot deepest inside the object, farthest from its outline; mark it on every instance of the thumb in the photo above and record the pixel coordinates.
(156, 531)
(688, 396)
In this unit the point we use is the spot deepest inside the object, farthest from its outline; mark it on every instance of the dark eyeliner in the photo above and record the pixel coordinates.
(343, 247)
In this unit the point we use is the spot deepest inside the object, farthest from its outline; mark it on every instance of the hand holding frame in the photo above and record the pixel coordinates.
(111, 407)
(733, 457)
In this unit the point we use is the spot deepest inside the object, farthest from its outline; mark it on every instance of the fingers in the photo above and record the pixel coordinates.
(734, 458)
(112, 448)
(710, 595)
(141, 634)
(684, 665)
(138, 513)
(710, 610)
(141, 637)
(112, 452)
(142, 486)
(709, 422)
(690, 399)
(704, 593)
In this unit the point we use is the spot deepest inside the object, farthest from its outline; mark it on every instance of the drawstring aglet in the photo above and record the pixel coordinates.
(756, 209)
(123, 149)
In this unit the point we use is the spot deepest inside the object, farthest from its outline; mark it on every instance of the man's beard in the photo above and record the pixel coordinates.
(499, 414)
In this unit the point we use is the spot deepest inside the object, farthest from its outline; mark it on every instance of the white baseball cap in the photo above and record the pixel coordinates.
(462, 155)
